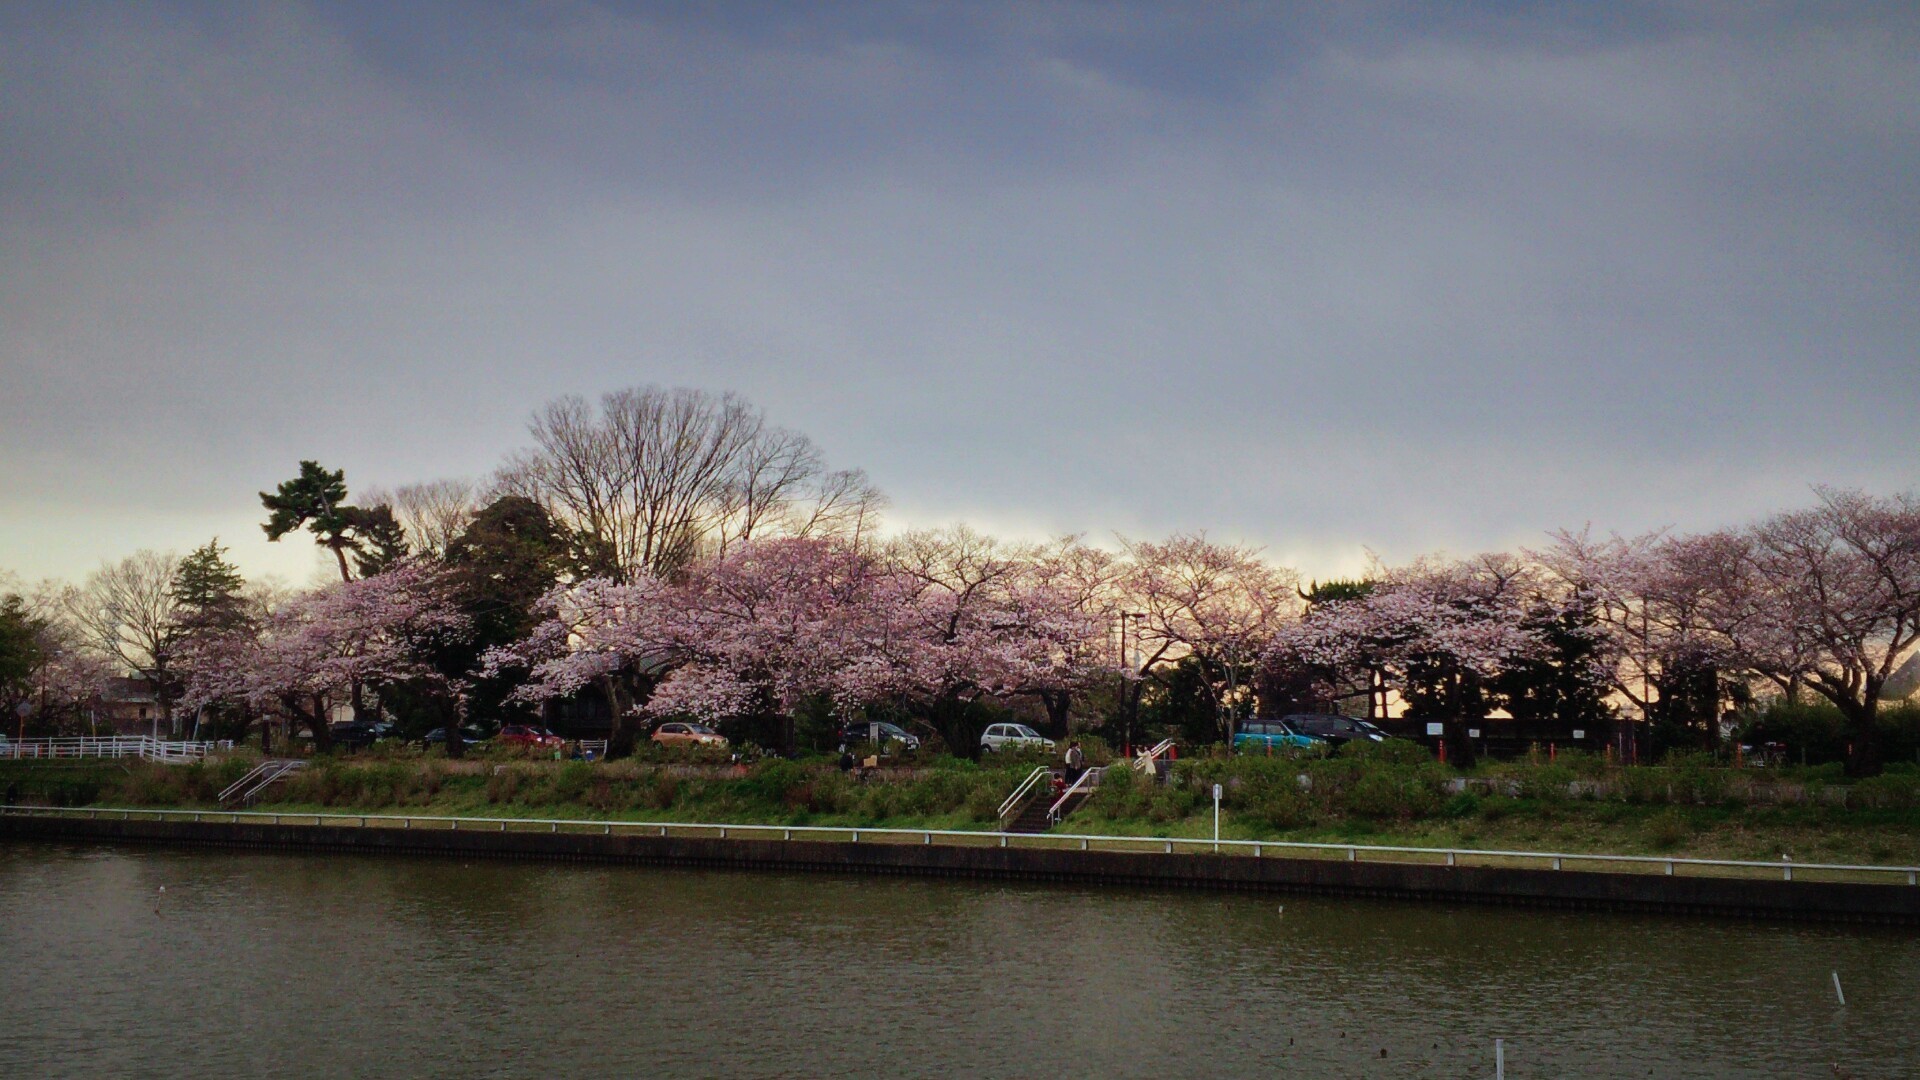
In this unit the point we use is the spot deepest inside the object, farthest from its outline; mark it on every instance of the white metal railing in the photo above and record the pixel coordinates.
(1082, 784)
(1143, 761)
(596, 747)
(1670, 865)
(1019, 796)
(115, 746)
(259, 778)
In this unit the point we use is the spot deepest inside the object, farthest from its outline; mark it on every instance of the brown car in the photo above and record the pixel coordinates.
(679, 734)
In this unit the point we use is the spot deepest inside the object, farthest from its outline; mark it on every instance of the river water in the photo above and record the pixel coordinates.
(144, 962)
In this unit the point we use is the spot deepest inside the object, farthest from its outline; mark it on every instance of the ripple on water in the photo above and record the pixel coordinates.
(262, 965)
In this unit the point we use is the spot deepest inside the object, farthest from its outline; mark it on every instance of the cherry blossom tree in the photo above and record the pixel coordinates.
(1071, 593)
(372, 631)
(953, 592)
(1827, 597)
(1647, 595)
(1222, 604)
(1442, 630)
(49, 678)
(937, 622)
(756, 631)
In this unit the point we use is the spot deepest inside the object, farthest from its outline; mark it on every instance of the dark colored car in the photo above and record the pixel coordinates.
(1334, 729)
(880, 733)
(359, 734)
(438, 737)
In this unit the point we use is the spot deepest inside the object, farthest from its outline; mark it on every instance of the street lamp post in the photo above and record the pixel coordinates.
(1132, 662)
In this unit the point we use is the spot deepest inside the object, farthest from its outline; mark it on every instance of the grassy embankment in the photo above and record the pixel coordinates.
(1398, 797)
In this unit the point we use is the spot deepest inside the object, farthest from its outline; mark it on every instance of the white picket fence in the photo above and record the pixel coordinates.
(116, 746)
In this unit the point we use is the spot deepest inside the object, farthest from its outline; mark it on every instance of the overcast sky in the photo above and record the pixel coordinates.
(1405, 277)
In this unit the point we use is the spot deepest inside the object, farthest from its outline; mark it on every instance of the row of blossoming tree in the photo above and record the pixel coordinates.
(670, 553)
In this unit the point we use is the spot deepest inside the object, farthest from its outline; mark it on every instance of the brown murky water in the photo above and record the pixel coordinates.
(270, 965)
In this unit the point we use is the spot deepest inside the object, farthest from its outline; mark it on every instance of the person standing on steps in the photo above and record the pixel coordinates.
(1075, 759)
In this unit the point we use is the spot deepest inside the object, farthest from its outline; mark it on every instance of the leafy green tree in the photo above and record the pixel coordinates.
(1563, 681)
(506, 559)
(315, 500)
(212, 618)
(1326, 592)
(20, 653)
(1178, 704)
(206, 591)
(510, 555)
(1687, 711)
(1438, 686)
(382, 541)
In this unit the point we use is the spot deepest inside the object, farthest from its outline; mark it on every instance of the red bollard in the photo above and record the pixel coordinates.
(1443, 751)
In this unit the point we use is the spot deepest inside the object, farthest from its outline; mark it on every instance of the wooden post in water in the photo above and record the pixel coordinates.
(1837, 991)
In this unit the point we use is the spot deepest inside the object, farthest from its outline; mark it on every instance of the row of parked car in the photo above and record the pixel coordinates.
(1304, 730)
(357, 734)
(1297, 731)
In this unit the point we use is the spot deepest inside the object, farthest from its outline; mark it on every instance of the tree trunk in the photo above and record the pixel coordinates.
(164, 698)
(1059, 704)
(317, 723)
(1864, 752)
(450, 723)
(619, 737)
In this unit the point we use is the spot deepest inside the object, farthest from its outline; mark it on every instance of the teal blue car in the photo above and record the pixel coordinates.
(1262, 736)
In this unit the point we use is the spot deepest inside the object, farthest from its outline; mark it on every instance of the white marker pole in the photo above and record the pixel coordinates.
(1837, 992)
(1216, 822)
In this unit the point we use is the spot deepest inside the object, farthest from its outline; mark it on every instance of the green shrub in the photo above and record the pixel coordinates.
(569, 784)
(505, 782)
(770, 782)
(1891, 791)
(1394, 792)
(1546, 783)
(1389, 752)
(1668, 830)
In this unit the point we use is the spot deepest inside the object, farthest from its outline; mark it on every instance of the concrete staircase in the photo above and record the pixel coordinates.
(1033, 817)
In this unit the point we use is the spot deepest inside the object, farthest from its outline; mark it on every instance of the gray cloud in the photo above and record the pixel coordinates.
(1398, 277)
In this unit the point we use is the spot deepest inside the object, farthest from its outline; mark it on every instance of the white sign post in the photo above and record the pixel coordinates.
(1216, 817)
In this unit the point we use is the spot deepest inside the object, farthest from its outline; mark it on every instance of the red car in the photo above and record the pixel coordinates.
(523, 735)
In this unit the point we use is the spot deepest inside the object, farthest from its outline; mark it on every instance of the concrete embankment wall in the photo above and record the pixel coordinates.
(1828, 901)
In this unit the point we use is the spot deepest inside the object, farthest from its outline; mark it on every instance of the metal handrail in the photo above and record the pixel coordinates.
(234, 788)
(1020, 793)
(1256, 848)
(1143, 761)
(1086, 781)
(258, 778)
